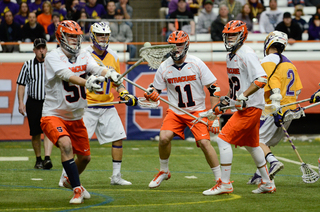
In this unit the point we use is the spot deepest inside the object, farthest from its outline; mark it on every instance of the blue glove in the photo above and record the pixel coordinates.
(315, 97)
(132, 100)
(278, 118)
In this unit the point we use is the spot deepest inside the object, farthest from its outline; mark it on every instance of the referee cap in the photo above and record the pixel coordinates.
(39, 42)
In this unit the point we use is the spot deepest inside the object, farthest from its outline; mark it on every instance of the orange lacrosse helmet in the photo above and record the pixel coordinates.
(69, 29)
(182, 38)
(231, 29)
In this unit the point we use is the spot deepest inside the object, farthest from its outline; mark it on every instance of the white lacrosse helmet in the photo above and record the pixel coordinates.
(277, 38)
(100, 28)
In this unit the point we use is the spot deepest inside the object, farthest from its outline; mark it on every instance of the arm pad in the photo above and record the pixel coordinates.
(260, 82)
(65, 74)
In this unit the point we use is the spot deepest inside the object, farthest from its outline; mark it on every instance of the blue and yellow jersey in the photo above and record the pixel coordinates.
(110, 60)
(286, 78)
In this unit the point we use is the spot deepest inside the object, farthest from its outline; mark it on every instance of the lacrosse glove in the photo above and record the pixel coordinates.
(241, 102)
(93, 83)
(315, 97)
(278, 118)
(114, 77)
(152, 94)
(214, 126)
(132, 100)
(224, 101)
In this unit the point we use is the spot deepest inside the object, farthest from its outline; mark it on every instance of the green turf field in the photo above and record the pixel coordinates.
(26, 189)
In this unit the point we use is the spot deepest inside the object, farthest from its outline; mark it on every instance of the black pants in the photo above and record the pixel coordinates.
(34, 114)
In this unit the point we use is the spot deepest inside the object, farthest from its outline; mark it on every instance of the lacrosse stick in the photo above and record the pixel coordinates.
(272, 109)
(165, 101)
(152, 54)
(308, 174)
(297, 113)
(142, 102)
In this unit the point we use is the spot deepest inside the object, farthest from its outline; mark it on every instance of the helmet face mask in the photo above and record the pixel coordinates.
(275, 38)
(234, 34)
(99, 35)
(69, 36)
(181, 40)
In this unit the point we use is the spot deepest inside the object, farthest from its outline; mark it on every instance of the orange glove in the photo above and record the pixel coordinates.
(214, 126)
(152, 94)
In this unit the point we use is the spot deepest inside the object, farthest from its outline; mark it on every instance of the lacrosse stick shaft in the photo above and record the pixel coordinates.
(293, 103)
(131, 68)
(312, 105)
(165, 101)
(293, 146)
(107, 103)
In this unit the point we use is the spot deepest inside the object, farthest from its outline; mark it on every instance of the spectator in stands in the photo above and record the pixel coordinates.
(292, 3)
(74, 8)
(164, 10)
(271, 18)
(289, 27)
(36, 7)
(110, 10)
(246, 16)
(22, 16)
(57, 7)
(10, 31)
(314, 28)
(194, 5)
(6, 5)
(173, 6)
(256, 8)
(298, 12)
(94, 10)
(53, 27)
(234, 7)
(218, 25)
(180, 14)
(121, 32)
(45, 17)
(312, 2)
(32, 30)
(317, 12)
(85, 26)
(206, 17)
(127, 10)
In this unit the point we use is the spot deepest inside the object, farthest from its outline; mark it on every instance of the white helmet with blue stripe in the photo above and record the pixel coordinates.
(100, 29)
(275, 38)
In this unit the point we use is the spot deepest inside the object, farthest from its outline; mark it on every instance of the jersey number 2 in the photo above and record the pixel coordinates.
(187, 89)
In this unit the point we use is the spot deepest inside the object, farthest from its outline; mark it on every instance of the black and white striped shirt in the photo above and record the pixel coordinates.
(32, 75)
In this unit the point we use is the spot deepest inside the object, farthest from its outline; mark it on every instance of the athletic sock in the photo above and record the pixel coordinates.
(271, 158)
(164, 165)
(47, 157)
(264, 174)
(217, 172)
(72, 172)
(39, 159)
(116, 164)
(225, 174)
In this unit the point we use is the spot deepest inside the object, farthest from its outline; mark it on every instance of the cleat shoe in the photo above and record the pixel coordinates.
(85, 193)
(159, 178)
(77, 197)
(255, 180)
(62, 178)
(275, 167)
(265, 188)
(117, 180)
(319, 165)
(38, 165)
(47, 164)
(219, 188)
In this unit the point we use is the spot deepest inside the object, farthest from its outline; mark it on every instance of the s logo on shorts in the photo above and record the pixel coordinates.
(59, 129)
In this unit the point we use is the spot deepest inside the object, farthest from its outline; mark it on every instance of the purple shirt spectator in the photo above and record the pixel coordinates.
(95, 12)
(21, 20)
(33, 6)
(173, 6)
(13, 7)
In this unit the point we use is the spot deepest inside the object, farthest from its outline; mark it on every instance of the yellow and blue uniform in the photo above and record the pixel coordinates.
(110, 60)
(286, 78)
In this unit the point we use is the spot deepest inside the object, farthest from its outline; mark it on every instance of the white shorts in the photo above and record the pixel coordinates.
(105, 122)
(269, 133)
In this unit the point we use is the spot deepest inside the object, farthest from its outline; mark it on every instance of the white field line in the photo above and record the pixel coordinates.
(14, 158)
(289, 161)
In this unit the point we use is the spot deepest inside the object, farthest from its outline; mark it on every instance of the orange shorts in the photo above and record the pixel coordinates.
(55, 127)
(177, 123)
(242, 129)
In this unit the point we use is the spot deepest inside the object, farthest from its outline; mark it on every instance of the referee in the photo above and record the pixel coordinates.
(32, 75)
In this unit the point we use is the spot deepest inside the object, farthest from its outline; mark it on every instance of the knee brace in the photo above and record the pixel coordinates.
(225, 150)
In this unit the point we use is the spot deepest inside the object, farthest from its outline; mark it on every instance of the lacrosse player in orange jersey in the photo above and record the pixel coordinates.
(63, 108)
(283, 87)
(246, 80)
(104, 119)
(184, 77)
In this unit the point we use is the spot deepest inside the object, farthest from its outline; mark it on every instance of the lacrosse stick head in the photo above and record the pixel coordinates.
(154, 55)
(208, 114)
(293, 114)
(144, 103)
(269, 109)
(309, 175)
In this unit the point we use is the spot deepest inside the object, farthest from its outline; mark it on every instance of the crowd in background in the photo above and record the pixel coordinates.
(25, 20)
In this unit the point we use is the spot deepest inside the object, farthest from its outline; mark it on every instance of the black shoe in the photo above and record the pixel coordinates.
(47, 164)
(38, 165)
